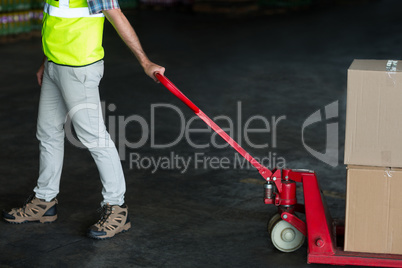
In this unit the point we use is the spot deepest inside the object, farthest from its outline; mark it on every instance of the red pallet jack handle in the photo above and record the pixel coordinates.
(265, 172)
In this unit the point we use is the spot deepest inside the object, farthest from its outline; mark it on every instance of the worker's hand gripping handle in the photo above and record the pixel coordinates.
(172, 88)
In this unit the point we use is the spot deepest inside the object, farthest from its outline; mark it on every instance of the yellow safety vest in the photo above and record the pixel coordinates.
(70, 35)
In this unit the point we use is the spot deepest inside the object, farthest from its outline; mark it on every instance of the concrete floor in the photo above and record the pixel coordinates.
(288, 65)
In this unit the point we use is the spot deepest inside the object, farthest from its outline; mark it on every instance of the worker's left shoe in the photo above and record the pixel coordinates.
(34, 209)
(114, 220)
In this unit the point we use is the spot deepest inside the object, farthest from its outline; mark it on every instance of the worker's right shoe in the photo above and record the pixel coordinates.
(34, 209)
(114, 220)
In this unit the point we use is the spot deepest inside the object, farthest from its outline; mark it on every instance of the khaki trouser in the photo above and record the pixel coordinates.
(74, 91)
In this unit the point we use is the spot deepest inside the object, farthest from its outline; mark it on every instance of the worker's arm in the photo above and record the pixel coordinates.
(127, 33)
(39, 73)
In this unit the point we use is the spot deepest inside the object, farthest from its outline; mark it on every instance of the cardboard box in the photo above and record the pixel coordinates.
(373, 210)
(374, 114)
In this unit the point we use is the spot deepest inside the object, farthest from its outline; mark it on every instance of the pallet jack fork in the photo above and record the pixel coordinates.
(324, 235)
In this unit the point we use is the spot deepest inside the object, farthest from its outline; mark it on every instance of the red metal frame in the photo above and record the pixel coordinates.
(295, 221)
(321, 231)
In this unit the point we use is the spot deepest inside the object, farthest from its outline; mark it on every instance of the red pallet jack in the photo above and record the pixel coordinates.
(288, 231)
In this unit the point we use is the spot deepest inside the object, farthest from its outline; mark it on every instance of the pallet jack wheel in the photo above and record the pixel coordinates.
(286, 237)
(273, 221)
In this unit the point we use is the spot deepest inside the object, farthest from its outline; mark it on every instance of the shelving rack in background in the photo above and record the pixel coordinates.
(22, 19)
(19, 19)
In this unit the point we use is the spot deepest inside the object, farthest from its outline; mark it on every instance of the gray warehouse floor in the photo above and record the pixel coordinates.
(283, 67)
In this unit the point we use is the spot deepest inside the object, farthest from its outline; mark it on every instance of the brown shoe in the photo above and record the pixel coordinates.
(34, 209)
(114, 220)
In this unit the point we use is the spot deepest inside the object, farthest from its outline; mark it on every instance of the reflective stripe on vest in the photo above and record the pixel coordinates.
(69, 12)
(70, 35)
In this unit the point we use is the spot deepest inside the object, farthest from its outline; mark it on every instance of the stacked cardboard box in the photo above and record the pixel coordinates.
(373, 153)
